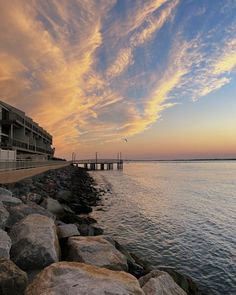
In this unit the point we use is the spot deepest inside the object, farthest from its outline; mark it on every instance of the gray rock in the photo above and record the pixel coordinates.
(4, 214)
(21, 211)
(96, 251)
(67, 230)
(73, 278)
(89, 230)
(184, 281)
(5, 192)
(33, 197)
(63, 195)
(13, 280)
(53, 206)
(160, 282)
(7, 199)
(5, 244)
(34, 242)
(134, 268)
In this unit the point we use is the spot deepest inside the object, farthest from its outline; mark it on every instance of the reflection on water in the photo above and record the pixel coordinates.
(178, 214)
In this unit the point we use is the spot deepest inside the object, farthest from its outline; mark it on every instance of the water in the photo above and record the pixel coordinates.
(178, 214)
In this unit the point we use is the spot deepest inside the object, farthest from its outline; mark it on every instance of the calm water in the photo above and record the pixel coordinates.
(177, 214)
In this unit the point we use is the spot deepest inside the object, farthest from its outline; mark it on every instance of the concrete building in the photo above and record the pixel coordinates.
(21, 134)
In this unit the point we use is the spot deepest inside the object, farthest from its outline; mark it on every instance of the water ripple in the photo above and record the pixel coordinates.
(177, 214)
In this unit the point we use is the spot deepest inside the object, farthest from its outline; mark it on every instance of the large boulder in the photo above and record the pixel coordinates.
(4, 214)
(34, 242)
(160, 282)
(73, 278)
(7, 199)
(53, 206)
(13, 280)
(184, 281)
(67, 230)
(5, 244)
(22, 210)
(96, 251)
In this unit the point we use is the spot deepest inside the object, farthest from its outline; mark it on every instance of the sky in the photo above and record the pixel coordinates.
(159, 73)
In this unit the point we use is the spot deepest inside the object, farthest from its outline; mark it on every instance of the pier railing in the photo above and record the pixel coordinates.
(100, 164)
(6, 165)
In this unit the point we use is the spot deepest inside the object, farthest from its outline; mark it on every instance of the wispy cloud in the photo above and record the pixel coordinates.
(227, 60)
(144, 25)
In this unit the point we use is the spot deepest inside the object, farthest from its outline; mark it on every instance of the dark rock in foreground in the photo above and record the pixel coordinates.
(34, 242)
(20, 211)
(13, 280)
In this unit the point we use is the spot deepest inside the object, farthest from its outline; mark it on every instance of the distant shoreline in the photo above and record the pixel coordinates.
(181, 160)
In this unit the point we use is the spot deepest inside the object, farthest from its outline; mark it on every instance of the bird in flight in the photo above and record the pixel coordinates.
(125, 139)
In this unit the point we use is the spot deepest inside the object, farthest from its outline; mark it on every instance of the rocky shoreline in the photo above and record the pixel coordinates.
(49, 244)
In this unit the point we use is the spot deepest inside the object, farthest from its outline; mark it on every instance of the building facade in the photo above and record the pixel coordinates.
(21, 134)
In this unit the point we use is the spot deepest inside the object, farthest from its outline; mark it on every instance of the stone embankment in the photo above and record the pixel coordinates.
(50, 245)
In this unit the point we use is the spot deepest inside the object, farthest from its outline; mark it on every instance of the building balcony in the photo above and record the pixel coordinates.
(10, 143)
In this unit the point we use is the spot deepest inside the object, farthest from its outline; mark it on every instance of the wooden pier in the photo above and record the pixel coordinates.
(100, 164)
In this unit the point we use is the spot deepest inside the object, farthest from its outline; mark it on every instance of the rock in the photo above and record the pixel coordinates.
(53, 206)
(81, 208)
(67, 230)
(63, 195)
(134, 268)
(184, 281)
(5, 244)
(7, 199)
(89, 230)
(96, 251)
(13, 280)
(71, 217)
(160, 282)
(73, 278)
(33, 197)
(86, 219)
(5, 192)
(97, 230)
(59, 222)
(85, 229)
(4, 214)
(34, 242)
(21, 211)
(147, 267)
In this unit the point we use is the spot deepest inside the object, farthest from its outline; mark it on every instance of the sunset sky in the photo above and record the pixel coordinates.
(161, 73)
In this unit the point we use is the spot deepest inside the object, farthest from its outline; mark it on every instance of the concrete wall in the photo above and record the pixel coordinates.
(7, 155)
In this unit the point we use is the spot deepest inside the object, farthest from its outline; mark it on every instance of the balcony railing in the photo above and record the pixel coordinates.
(7, 142)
